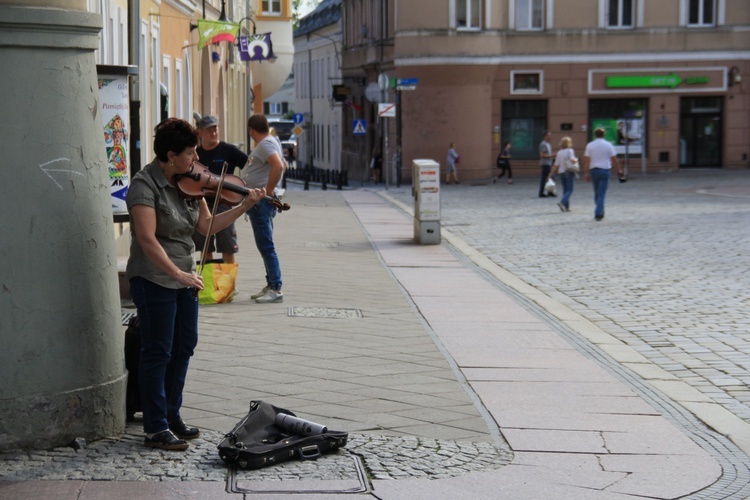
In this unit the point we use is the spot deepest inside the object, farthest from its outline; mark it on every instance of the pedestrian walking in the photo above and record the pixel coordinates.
(546, 158)
(566, 165)
(503, 163)
(598, 160)
(451, 171)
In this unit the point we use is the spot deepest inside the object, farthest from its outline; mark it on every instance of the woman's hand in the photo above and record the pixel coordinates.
(253, 197)
(191, 280)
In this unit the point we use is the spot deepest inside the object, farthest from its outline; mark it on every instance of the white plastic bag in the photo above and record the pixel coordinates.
(549, 188)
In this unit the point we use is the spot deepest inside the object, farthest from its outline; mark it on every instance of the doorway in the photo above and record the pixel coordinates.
(700, 132)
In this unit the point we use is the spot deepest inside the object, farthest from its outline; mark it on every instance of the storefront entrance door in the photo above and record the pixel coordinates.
(700, 131)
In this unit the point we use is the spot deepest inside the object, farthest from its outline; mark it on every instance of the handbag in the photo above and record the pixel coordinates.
(218, 283)
(549, 187)
(572, 165)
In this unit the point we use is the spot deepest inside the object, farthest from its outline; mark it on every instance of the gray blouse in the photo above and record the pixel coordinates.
(176, 218)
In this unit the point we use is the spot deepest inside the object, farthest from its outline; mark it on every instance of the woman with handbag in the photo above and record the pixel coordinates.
(566, 164)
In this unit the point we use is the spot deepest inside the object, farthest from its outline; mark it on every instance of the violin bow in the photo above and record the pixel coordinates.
(211, 223)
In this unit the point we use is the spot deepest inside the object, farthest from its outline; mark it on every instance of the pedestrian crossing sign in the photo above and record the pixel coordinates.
(359, 127)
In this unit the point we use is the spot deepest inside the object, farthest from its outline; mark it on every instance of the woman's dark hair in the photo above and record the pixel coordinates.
(506, 144)
(173, 134)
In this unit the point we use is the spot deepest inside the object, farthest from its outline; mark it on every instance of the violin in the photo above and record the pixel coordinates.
(201, 182)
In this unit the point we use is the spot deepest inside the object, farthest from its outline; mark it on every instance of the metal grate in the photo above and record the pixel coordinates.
(324, 312)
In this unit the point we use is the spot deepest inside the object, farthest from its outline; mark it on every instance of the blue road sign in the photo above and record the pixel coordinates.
(407, 82)
(359, 127)
(298, 118)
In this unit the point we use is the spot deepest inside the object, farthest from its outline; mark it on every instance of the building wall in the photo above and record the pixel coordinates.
(465, 77)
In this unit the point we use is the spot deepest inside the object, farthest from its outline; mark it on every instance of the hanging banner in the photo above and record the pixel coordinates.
(256, 47)
(215, 32)
(115, 112)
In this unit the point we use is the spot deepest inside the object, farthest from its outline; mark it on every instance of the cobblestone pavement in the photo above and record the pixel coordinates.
(667, 271)
(126, 459)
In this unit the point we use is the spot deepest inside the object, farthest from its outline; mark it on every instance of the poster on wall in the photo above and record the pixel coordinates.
(115, 112)
(625, 134)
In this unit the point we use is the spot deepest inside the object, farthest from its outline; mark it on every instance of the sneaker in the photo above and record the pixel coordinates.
(165, 440)
(260, 294)
(561, 206)
(182, 431)
(270, 296)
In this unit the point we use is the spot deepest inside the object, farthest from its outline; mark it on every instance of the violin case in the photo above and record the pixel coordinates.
(256, 441)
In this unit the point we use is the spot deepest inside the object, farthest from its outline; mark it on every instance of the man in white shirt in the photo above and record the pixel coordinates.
(598, 160)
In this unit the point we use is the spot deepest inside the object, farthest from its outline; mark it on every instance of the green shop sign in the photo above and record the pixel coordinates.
(653, 81)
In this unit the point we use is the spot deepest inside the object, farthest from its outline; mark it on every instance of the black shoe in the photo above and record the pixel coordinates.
(543, 196)
(598, 217)
(182, 431)
(165, 440)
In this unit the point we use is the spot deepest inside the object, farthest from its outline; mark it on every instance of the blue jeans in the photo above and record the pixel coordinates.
(261, 218)
(568, 180)
(600, 181)
(169, 334)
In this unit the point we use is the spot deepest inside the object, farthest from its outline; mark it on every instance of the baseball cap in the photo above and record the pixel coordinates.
(207, 121)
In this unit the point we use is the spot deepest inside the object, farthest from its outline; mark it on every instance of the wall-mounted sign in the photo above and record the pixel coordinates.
(115, 112)
(657, 80)
(256, 47)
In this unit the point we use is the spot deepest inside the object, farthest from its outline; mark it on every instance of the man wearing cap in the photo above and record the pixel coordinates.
(212, 153)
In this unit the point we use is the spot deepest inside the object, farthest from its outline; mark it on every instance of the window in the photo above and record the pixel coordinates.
(179, 103)
(620, 14)
(526, 82)
(523, 124)
(272, 7)
(702, 13)
(530, 14)
(468, 14)
(624, 123)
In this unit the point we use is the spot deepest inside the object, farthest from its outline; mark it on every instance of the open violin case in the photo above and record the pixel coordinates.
(257, 441)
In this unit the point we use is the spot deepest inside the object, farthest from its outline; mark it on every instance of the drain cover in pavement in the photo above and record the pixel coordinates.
(339, 473)
(324, 312)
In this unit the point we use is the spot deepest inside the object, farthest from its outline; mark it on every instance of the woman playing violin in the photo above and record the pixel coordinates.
(161, 270)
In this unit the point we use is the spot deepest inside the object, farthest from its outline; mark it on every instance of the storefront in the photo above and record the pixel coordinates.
(658, 118)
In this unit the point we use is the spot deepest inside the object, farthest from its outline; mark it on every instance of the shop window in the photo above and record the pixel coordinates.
(702, 13)
(624, 123)
(468, 14)
(523, 124)
(526, 82)
(529, 14)
(620, 13)
(271, 7)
